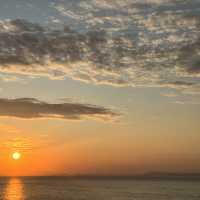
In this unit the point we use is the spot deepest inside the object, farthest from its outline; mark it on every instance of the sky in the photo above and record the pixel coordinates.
(99, 87)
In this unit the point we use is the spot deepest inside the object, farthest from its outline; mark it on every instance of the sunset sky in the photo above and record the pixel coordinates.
(104, 87)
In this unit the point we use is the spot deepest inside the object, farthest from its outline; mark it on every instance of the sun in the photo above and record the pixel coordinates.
(16, 155)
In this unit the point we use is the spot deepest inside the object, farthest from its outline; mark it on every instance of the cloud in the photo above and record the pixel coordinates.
(119, 43)
(25, 143)
(30, 108)
(180, 84)
(184, 102)
(169, 94)
(20, 144)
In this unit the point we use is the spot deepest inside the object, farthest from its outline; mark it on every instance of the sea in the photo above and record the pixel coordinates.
(62, 188)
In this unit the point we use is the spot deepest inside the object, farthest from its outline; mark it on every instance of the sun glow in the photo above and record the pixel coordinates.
(16, 156)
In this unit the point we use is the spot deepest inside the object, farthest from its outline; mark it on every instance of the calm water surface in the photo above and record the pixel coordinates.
(69, 189)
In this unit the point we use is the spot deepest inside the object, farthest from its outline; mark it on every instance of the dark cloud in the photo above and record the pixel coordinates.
(189, 58)
(30, 108)
(124, 43)
(182, 83)
(195, 67)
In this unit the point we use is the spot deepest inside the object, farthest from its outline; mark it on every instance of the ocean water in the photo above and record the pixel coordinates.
(95, 189)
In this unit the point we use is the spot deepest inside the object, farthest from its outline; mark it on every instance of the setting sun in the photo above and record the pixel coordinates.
(16, 156)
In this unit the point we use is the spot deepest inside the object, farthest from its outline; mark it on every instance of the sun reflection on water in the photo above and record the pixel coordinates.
(14, 190)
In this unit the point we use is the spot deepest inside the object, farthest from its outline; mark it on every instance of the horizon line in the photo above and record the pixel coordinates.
(128, 176)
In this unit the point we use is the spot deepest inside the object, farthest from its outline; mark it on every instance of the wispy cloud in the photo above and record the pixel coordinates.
(183, 102)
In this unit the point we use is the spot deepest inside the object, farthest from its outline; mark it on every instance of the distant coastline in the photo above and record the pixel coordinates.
(146, 176)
